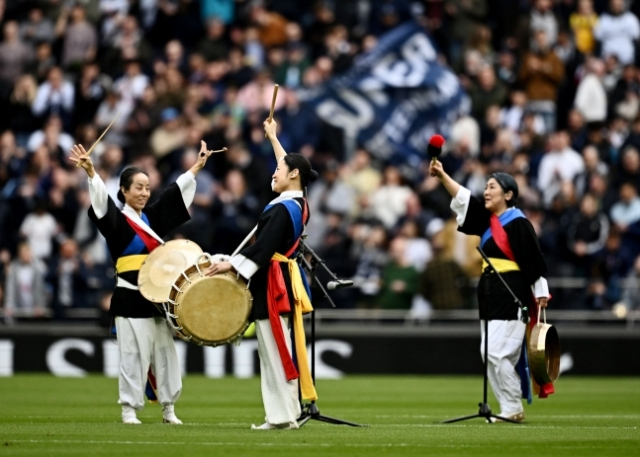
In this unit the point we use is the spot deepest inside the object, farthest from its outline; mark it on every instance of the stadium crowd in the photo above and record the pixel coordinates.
(555, 98)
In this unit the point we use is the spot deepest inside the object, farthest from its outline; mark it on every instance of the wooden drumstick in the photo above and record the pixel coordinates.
(100, 137)
(245, 241)
(213, 152)
(273, 104)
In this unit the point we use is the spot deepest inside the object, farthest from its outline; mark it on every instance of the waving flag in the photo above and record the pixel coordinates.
(393, 98)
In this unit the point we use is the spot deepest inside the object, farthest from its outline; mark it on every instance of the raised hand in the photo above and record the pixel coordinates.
(203, 155)
(270, 127)
(435, 168)
(80, 157)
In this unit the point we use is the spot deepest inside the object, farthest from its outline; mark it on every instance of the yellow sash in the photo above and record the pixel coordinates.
(302, 304)
(130, 262)
(501, 265)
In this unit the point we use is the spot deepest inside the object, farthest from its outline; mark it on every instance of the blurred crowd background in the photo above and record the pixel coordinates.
(555, 96)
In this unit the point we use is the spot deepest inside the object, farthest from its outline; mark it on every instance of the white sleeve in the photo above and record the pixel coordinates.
(540, 288)
(98, 195)
(246, 267)
(460, 204)
(187, 184)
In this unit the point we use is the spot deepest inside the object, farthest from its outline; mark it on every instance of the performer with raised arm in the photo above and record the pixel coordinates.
(280, 293)
(144, 338)
(508, 239)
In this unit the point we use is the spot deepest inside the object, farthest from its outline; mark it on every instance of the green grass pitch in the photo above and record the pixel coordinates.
(45, 416)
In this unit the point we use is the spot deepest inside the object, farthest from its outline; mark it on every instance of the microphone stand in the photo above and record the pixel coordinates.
(310, 410)
(485, 409)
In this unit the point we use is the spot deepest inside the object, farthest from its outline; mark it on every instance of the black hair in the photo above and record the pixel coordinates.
(507, 183)
(126, 179)
(300, 163)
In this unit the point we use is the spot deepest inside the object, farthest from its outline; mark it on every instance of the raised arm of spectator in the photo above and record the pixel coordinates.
(270, 127)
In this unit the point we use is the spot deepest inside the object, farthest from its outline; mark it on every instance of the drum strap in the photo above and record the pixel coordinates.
(278, 300)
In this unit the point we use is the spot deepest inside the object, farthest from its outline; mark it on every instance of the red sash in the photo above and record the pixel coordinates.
(501, 239)
(278, 303)
(150, 242)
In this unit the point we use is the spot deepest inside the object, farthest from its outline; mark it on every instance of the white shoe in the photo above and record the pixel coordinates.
(169, 416)
(270, 426)
(129, 416)
(517, 417)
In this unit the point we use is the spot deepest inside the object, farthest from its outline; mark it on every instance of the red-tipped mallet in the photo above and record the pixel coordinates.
(434, 149)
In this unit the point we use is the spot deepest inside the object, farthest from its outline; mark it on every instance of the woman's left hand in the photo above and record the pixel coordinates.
(218, 268)
(542, 302)
(203, 155)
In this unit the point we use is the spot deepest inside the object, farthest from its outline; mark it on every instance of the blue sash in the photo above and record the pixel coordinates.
(136, 246)
(296, 215)
(295, 212)
(504, 219)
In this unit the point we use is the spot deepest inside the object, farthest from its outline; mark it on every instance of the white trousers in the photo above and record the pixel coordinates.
(143, 343)
(505, 344)
(279, 396)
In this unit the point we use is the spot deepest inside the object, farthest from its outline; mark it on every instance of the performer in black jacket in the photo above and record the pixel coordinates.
(144, 338)
(280, 293)
(508, 239)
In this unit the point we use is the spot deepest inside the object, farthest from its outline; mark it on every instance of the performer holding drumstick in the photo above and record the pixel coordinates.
(508, 239)
(279, 293)
(144, 338)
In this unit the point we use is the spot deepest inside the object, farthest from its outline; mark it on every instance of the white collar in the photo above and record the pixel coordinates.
(133, 215)
(291, 194)
(287, 195)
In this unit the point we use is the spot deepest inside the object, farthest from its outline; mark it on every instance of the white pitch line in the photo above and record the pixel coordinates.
(550, 416)
(193, 443)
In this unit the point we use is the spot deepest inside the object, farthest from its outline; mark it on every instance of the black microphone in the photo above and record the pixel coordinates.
(339, 284)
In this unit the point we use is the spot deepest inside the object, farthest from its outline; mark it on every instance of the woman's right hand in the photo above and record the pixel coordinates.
(270, 128)
(81, 158)
(435, 168)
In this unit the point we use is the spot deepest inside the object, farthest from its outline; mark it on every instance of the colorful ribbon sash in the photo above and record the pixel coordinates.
(279, 302)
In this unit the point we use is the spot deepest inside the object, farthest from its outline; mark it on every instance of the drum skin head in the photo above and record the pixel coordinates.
(165, 263)
(214, 309)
